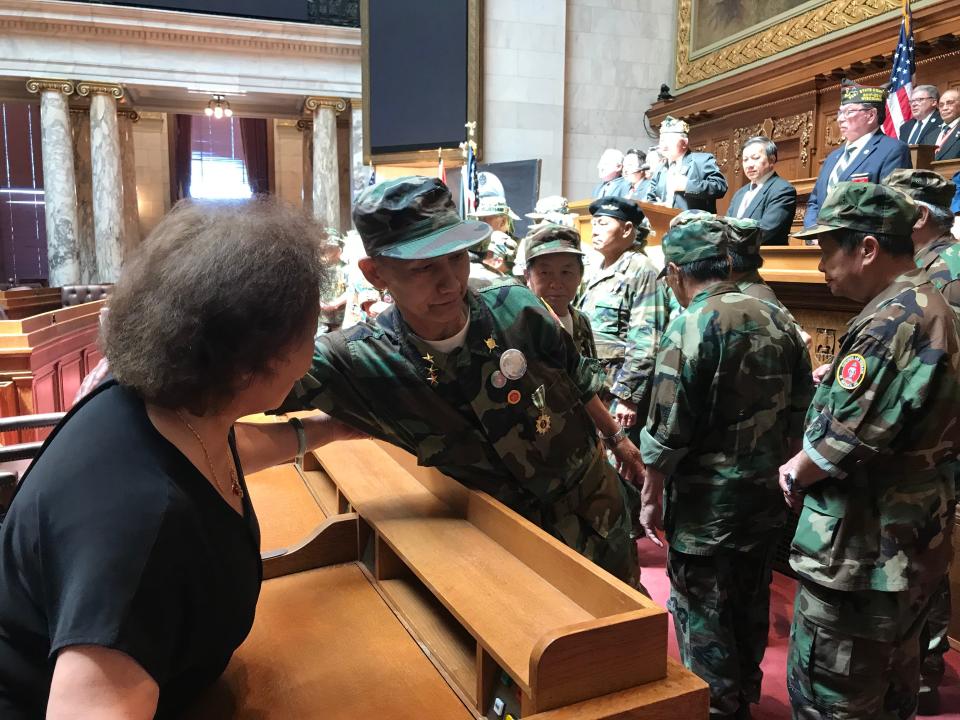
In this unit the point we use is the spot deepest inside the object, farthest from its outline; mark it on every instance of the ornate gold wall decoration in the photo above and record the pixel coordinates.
(38, 85)
(831, 16)
(832, 137)
(798, 126)
(722, 153)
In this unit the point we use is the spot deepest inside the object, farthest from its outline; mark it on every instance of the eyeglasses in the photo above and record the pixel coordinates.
(841, 114)
(920, 99)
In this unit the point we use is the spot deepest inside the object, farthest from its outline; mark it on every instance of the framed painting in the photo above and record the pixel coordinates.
(715, 37)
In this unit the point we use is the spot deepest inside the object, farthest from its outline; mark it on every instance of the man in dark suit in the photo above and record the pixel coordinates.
(924, 127)
(767, 198)
(609, 168)
(686, 180)
(948, 143)
(867, 155)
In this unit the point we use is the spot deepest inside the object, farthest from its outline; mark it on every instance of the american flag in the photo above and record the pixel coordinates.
(901, 77)
(469, 199)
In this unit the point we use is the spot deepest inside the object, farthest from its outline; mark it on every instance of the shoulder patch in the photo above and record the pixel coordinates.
(851, 371)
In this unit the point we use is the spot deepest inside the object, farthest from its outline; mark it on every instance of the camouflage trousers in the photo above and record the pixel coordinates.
(855, 654)
(721, 613)
(616, 553)
(933, 636)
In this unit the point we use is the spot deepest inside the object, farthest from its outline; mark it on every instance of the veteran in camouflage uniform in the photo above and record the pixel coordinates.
(731, 389)
(875, 475)
(333, 301)
(627, 307)
(938, 254)
(554, 270)
(485, 386)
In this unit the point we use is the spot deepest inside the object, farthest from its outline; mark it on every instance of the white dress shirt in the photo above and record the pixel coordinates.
(752, 193)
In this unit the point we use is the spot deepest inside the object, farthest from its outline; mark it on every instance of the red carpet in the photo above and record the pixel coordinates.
(775, 705)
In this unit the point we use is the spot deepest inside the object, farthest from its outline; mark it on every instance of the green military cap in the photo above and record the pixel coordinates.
(674, 125)
(688, 216)
(851, 92)
(923, 185)
(551, 239)
(413, 218)
(865, 207)
(699, 238)
(502, 245)
(745, 235)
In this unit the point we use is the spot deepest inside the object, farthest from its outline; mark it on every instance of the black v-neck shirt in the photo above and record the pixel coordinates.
(115, 539)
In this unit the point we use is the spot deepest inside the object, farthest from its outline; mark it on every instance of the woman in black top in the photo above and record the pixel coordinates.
(129, 559)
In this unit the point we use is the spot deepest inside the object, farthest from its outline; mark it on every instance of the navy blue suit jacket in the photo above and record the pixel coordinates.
(950, 150)
(930, 133)
(773, 207)
(879, 157)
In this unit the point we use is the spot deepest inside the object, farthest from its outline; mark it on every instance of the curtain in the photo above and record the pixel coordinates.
(183, 157)
(253, 132)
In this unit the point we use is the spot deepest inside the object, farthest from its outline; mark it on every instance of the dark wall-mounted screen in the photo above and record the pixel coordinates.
(417, 72)
(320, 12)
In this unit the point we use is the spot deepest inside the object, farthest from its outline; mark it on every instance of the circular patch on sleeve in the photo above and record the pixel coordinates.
(852, 370)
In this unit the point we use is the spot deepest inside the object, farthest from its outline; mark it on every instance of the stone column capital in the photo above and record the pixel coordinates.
(86, 89)
(315, 102)
(39, 85)
(131, 115)
(305, 125)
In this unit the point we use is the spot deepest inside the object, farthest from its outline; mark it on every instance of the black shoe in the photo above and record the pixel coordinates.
(928, 701)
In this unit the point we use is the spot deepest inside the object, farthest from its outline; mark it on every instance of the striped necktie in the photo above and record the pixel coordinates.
(840, 167)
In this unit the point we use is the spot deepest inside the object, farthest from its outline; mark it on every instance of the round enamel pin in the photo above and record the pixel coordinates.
(513, 364)
(851, 371)
(513, 397)
(497, 379)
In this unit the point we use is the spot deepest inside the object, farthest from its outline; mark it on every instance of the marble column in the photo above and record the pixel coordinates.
(59, 181)
(107, 177)
(359, 173)
(80, 125)
(128, 175)
(305, 126)
(326, 180)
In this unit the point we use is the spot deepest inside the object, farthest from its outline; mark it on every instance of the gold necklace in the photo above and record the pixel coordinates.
(234, 481)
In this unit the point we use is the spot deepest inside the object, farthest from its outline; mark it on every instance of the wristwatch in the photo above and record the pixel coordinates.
(611, 441)
(297, 424)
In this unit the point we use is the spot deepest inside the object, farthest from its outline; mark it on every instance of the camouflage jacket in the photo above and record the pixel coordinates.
(582, 333)
(883, 426)
(628, 311)
(544, 462)
(941, 261)
(732, 385)
(338, 286)
(754, 286)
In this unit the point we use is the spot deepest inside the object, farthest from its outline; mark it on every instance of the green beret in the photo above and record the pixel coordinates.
(865, 207)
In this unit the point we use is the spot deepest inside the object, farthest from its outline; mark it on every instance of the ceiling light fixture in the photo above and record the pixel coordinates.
(218, 107)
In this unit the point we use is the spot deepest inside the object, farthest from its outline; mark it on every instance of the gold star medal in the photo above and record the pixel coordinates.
(490, 343)
(431, 369)
(539, 401)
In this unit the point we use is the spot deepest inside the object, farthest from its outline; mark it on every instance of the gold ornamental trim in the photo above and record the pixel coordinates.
(86, 89)
(38, 85)
(819, 22)
(315, 102)
(798, 126)
(305, 125)
(132, 115)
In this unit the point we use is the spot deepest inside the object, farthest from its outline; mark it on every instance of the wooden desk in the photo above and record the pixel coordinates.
(420, 597)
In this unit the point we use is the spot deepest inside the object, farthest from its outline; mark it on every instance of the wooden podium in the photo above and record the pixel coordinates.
(415, 597)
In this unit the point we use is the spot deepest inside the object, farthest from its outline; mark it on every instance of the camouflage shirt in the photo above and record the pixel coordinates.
(941, 260)
(338, 286)
(628, 311)
(544, 462)
(582, 333)
(754, 286)
(732, 386)
(883, 426)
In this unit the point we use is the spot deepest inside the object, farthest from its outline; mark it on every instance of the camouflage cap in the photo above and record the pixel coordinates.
(699, 238)
(745, 235)
(690, 216)
(865, 207)
(551, 239)
(550, 205)
(502, 245)
(851, 92)
(413, 218)
(923, 185)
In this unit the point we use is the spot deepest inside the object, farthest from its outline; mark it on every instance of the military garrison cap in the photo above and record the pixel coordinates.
(619, 208)
(924, 186)
(551, 239)
(745, 235)
(673, 125)
(700, 238)
(413, 218)
(850, 92)
(865, 207)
